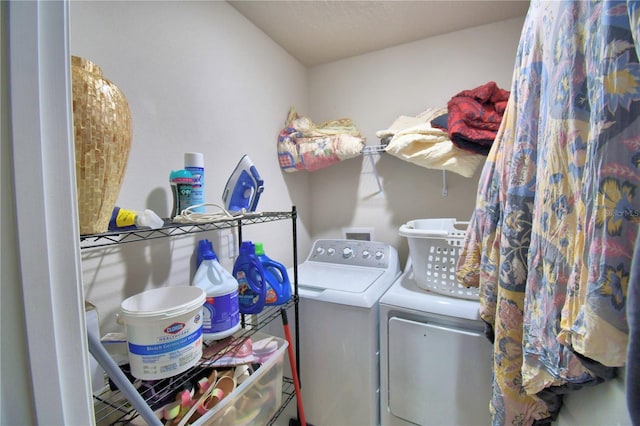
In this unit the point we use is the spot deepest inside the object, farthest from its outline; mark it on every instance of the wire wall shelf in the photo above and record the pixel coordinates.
(177, 229)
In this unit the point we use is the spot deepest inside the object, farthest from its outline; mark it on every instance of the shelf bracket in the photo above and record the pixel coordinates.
(368, 151)
(445, 190)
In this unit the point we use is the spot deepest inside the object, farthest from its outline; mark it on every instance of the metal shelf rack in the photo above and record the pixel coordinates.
(126, 403)
(175, 230)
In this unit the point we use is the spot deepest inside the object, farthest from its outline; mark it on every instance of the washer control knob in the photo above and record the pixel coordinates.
(379, 255)
(347, 252)
(366, 254)
(319, 251)
(331, 251)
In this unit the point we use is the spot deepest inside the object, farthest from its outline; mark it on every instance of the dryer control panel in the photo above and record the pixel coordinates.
(371, 254)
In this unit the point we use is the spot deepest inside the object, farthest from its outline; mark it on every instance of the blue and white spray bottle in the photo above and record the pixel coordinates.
(194, 163)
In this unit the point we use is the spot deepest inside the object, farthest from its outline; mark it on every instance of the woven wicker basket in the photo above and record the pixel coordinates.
(102, 130)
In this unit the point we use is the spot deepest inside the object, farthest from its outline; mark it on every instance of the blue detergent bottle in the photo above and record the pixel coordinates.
(248, 271)
(221, 310)
(276, 278)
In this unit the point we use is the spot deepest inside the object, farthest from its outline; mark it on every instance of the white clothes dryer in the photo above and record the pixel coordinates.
(340, 285)
(435, 359)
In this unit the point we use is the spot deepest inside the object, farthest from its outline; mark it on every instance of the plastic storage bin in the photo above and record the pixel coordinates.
(257, 399)
(434, 248)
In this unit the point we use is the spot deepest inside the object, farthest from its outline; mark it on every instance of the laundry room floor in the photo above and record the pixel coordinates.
(290, 412)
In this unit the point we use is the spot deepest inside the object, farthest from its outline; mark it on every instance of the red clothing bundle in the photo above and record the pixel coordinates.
(475, 116)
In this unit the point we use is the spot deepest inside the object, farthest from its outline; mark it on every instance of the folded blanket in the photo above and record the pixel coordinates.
(475, 116)
(302, 145)
(413, 139)
(405, 121)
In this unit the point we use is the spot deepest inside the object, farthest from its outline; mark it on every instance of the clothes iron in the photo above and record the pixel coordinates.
(243, 188)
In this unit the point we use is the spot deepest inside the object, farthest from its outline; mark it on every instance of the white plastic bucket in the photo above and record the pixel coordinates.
(164, 331)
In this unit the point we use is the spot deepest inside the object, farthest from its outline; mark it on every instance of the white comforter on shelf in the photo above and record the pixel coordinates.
(413, 139)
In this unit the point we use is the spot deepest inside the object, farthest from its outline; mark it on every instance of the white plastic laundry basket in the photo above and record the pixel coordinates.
(434, 248)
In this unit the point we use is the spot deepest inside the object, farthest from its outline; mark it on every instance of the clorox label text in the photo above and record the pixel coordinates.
(174, 328)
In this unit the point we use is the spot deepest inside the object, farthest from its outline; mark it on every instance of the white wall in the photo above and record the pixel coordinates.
(600, 405)
(198, 77)
(373, 90)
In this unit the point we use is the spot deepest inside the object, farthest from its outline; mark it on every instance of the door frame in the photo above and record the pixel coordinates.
(48, 245)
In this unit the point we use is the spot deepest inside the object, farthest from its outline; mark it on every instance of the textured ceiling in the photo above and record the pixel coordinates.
(321, 31)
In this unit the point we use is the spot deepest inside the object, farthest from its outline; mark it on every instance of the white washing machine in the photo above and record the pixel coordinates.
(435, 361)
(340, 285)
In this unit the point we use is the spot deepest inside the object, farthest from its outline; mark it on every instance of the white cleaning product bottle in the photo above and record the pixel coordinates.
(123, 219)
(194, 163)
(221, 309)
